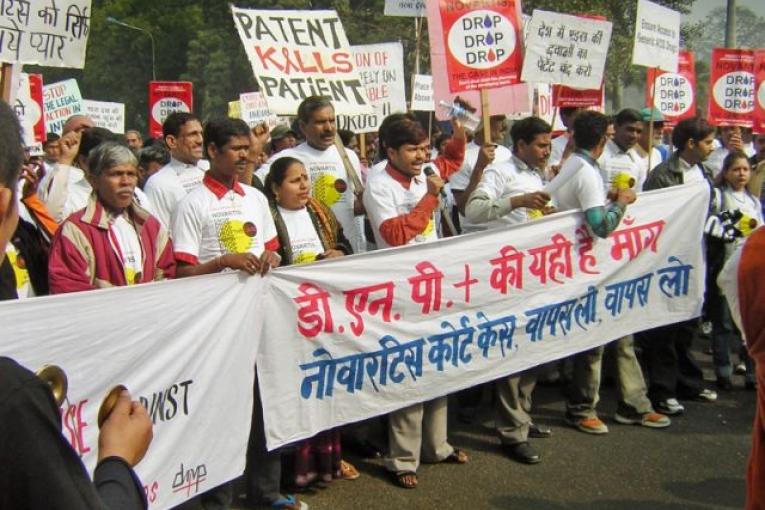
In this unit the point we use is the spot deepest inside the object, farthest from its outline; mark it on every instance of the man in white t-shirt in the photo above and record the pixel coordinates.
(558, 151)
(620, 164)
(579, 185)
(511, 193)
(478, 156)
(330, 182)
(401, 206)
(658, 150)
(730, 139)
(223, 224)
(182, 132)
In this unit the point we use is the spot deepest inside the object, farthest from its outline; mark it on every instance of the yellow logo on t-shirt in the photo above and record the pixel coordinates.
(130, 276)
(235, 237)
(327, 189)
(305, 257)
(429, 228)
(19, 268)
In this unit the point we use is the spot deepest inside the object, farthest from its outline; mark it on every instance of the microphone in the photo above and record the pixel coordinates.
(428, 170)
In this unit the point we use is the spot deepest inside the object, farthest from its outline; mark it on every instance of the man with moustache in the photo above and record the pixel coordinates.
(330, 183)
(510, 193)
(182, 132)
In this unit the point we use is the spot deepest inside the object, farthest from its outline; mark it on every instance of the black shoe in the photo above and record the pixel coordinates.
(523, 452)
(724, 383)
(539, 431)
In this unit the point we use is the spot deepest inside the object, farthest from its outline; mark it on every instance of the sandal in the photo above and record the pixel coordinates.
(348, 471)
(405, 479)
(457, 457)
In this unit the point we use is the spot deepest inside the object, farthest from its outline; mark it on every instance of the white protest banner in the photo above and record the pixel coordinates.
(61, 100)
(296, 54)
(381, 69)
(45, 32)
(191, 366)
(254, 110)
(566, 49)
(422, 94)
(545, 108)
(657, 36)
(349, 339)
(106, 115)
(411, 8)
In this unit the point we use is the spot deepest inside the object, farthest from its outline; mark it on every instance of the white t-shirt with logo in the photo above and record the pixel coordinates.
(205, 226)
(304, 240)
(461, 179)
(507, 180)
(615, 161)
(579, 185)
(330, 185)
(386, 198)
(169, 185)
(128, 248)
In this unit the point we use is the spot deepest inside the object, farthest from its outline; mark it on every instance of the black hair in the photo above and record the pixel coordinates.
(528, 128)
(175, 121)
(153, 154)
(277, 173)
(310, 105)
(50, 138)
(346, 135)
(11, 152)
(405, 131)
(589, 129)
(383, 130)
(95, 136)
(219, 131)
(695, 128)
(628, 116)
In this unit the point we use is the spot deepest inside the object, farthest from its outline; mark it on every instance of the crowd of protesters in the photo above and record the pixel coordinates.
(99, 209)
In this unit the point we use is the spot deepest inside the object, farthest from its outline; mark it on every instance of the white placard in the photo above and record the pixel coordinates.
(27, 110)
(565, 49)
(44, 32)
(191, 366)
(253, 109)
(381, 69)
(411, 8)
(657, 36)
(422, 93)
(349, 339)
(297, 54)
(106, 115)
(61, 100)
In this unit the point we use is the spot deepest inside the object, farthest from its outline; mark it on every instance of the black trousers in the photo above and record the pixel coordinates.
(670, 368)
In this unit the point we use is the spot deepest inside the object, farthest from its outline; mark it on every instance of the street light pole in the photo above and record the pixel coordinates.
(111, 19)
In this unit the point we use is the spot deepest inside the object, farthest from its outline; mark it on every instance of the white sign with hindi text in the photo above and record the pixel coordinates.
(107, 115)
(657, 37)
(411, 8)
(352, 338)
(566, 49)
(44, 32)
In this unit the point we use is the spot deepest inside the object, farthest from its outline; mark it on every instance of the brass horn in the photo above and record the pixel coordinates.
(55, 377)
(107, 405)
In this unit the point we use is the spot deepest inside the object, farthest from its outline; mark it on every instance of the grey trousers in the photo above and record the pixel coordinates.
(417, 432)
(513, 405)
(585, 387)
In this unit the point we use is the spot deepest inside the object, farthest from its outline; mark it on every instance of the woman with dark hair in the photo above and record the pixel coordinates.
(308, 231)
(734, 200)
